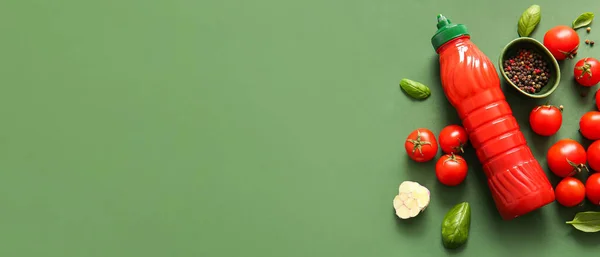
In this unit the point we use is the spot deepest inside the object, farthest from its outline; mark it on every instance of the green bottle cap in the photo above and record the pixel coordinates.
(447, 31)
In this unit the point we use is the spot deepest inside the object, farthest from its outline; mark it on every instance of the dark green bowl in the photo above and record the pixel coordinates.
(533, 45)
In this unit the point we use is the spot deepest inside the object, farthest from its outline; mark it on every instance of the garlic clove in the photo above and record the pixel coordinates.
(401, 210)
(423, 197)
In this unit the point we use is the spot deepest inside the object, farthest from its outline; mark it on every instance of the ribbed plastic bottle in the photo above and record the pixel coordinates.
(470, 82)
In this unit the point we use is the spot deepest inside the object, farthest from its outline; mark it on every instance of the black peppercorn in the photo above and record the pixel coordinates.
(528, 70)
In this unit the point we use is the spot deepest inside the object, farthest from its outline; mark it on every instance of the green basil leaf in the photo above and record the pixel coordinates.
(529, 20)
(583, 20)
(415, 89)
(455, 227)
(588, 221)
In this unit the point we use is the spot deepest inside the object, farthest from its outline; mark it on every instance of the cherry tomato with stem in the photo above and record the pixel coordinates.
(589, 125)
(592, 188)
(421, 145)
(451, 169)
(587, 72)
(453, 138)
(593, 155)
(566, 158)
(546, 120)
(570, 192)
(562, 41)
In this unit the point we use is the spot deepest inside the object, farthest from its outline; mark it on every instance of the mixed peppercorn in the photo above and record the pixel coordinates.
(528, 70)
(589, 42)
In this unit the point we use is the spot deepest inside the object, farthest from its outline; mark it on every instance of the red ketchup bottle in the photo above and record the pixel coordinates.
(471, 84)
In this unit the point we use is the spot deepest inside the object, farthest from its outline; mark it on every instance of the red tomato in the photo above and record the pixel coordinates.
(421, 145)
(451, 169)
(545, 120)
(593, 155)
(587, 72)
(589, 125)
(562, 41)
(566, 157)
(453, 138)
(592, 188)
(570, 192)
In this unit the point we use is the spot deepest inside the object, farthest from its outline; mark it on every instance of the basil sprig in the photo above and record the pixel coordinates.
(415, 89)
(588, 221)
(529, 20)
(583, 20)
(456, 225)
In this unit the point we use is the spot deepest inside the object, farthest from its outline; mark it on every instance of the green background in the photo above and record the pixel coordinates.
(249, 128)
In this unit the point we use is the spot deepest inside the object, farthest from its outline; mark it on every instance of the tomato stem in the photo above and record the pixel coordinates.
(548, 105)
(452, 158)
(577, 167)
(585, 69)
(417, 143)
(459, 147)
(571, 54)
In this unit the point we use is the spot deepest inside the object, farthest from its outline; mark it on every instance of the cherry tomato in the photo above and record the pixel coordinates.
(545, 120)
(587, 72)
(593, 155)
(566, 157)
(452, 139)
(562, 41)
(421, 145)
(592, 188)
(589, 125)
(570, 192)
(451, 169)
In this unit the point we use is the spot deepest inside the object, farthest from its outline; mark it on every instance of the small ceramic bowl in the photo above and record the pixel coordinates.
(533, 45)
